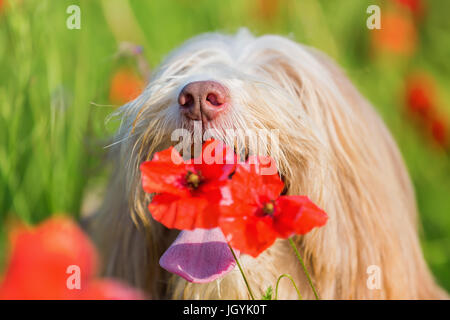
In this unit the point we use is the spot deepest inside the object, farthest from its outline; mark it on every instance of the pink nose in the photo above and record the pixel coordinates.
(203, 100)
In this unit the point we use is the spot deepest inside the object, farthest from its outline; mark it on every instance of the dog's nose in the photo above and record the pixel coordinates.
(203, 100)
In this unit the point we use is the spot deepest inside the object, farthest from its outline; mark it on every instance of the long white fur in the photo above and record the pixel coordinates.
(333, 147)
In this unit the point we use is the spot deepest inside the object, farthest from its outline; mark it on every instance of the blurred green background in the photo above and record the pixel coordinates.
(57, 87)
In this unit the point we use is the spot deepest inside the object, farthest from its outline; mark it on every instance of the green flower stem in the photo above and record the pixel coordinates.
(242, 272)
(293, 282)
(304, 268)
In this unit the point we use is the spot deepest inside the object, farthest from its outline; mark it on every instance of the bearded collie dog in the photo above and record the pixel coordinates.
(332, 147)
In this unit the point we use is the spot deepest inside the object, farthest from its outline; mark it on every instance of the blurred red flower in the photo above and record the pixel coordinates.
(421, 101)
(420, 95)
(126, 85)
(417, 7)
(439, 132)
(188, 192)
(39, 262)
(258, 215)
(397, 34)
(110, 289)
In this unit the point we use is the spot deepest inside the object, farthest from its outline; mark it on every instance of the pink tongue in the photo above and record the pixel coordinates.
(199, 256)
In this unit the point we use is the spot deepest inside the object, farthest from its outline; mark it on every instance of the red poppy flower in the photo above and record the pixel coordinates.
(188, 192)
(126, 85)
(39, 261)
(258, 215)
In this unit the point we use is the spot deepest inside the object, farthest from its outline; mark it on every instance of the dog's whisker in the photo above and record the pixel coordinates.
(117, 142)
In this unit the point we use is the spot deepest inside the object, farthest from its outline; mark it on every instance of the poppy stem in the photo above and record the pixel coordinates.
(304, 268)
(293, 282)
(242, 272)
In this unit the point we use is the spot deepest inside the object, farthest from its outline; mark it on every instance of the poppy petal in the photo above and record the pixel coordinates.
(164, 173)
(178, 212)
(217, 160)
(249, 185)
(299, 214)
(250, 235)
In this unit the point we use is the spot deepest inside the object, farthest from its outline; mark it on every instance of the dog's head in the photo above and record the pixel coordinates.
(272, 96)
(264, 95)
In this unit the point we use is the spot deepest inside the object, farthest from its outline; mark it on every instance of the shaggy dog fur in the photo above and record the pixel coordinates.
(333, 148)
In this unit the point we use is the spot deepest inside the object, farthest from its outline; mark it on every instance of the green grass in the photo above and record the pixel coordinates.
(52, 137)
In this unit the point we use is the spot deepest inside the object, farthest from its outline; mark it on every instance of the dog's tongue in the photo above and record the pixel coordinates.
(200, 255)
